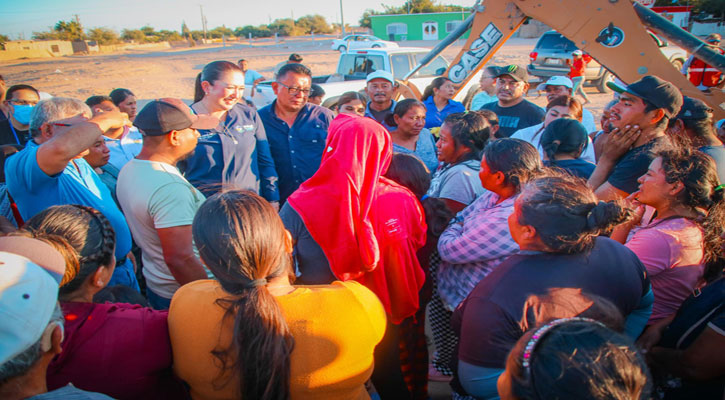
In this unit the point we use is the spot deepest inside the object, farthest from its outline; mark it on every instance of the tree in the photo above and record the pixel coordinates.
(220, 31)
(70, 30)
(134, 35)
(410, 7)
(184, 29)
(48, 35)
(257, 32)
(103, 35)
(282, 27)
(314, 24)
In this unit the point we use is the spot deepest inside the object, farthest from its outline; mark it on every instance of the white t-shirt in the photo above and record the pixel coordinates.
(154, 195)
(533, 136)
(125, 148)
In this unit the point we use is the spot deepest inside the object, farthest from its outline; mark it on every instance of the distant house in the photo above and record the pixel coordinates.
(430, 26)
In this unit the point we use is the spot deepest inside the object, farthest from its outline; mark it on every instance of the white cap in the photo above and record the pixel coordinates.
(380, 74)
(558, 80)
(577, 53)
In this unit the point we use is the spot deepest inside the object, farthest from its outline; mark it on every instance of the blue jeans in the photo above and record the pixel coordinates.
(124, 275)
(157, 302)
(578, 82)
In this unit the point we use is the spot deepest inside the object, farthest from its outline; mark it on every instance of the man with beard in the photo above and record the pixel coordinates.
(380, 89)
(637, 126)
(514, 112)
(296, 129)
(159, 202)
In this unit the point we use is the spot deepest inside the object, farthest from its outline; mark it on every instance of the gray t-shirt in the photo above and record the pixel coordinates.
(425, 150)
(70, 392)
(457, 182)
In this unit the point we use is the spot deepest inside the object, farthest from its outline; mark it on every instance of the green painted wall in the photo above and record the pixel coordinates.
(414, 24)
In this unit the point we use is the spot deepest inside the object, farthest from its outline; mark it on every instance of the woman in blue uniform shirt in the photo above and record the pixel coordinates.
(236, 153)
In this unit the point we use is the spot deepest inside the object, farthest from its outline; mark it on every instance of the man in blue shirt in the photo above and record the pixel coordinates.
(51, 171)
(380, 89)
(296, 130)
(251, 77)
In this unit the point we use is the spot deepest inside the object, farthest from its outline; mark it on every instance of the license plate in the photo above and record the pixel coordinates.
(554, 61)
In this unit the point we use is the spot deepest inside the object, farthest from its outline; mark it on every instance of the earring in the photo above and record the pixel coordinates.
(99, 282)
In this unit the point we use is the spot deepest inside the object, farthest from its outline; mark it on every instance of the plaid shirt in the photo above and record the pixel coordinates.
(473, 245)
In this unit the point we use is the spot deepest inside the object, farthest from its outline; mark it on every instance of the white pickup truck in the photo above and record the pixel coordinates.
(354, 66)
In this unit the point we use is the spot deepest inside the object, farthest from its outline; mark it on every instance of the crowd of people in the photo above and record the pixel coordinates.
(217, 251)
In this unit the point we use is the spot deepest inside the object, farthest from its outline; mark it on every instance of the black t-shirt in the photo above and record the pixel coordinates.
(634, 164)
(310, 259)
(577, 167)
(7, 136)
(507, 302)
(511, 119)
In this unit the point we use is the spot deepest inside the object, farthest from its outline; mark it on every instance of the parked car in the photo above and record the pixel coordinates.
(553, 50)
(354, 42)
(354, 66)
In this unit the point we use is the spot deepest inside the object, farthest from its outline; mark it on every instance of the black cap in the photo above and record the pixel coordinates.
(162, 116)
(515, 72)
(295, 57)
(316, 90)
(655, 90)
(694, 109)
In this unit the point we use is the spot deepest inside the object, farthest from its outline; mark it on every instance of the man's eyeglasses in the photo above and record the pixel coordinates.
(294, 91)
(23, 102)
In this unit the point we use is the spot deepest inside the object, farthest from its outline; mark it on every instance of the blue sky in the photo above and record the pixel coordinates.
(25, 16)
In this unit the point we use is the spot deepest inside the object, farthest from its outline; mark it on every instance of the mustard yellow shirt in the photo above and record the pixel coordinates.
(335, 327)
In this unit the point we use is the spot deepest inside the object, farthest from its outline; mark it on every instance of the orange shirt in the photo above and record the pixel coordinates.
(335, 327)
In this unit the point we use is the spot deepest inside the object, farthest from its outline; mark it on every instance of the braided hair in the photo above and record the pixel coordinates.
(89, 233)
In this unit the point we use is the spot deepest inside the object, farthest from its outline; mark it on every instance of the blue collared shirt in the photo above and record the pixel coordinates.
(235, 153)
(33, 190)
(369, 114)
(296, 150)
(434, 118)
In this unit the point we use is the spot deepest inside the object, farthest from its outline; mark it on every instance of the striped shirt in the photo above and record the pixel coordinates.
(473, 245)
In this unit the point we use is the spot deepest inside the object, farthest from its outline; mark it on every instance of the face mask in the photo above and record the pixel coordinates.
(22, 114)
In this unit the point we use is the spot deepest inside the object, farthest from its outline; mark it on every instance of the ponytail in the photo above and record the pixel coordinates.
(253, 251)
(714, 230)
(198, 90)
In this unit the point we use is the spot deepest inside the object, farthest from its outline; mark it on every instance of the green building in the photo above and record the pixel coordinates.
(432, 26)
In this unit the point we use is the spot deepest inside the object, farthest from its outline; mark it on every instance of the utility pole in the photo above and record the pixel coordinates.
(203, 20)
(342, 20)
(80, 27)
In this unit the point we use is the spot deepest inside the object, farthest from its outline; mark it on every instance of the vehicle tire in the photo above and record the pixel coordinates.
(677, 63)
(376, 46)
(342, 48)
(601, 84)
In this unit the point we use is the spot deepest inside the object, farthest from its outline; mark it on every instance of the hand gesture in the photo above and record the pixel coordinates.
(619, 141)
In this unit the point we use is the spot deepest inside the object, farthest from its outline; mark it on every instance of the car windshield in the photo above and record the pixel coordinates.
(436, 67)
(556, 42)
(359, 64)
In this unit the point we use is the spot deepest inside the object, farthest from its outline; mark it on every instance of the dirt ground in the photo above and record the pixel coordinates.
(171, 73)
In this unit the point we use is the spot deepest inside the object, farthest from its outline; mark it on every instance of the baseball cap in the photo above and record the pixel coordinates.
(515, 72)
(558, 80)
(380, 74)
(577, 53)
(316, 90)
(38, 252)
(695, 109)
(162, 116)
(713, 38)
(655, 90)
(28, 296)
(295, 57)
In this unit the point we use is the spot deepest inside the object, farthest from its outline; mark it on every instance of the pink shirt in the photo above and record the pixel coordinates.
(672, 251)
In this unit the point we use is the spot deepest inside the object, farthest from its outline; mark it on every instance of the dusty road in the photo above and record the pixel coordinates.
(171, 73)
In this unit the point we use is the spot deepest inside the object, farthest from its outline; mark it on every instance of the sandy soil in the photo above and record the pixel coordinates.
(171, 73)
